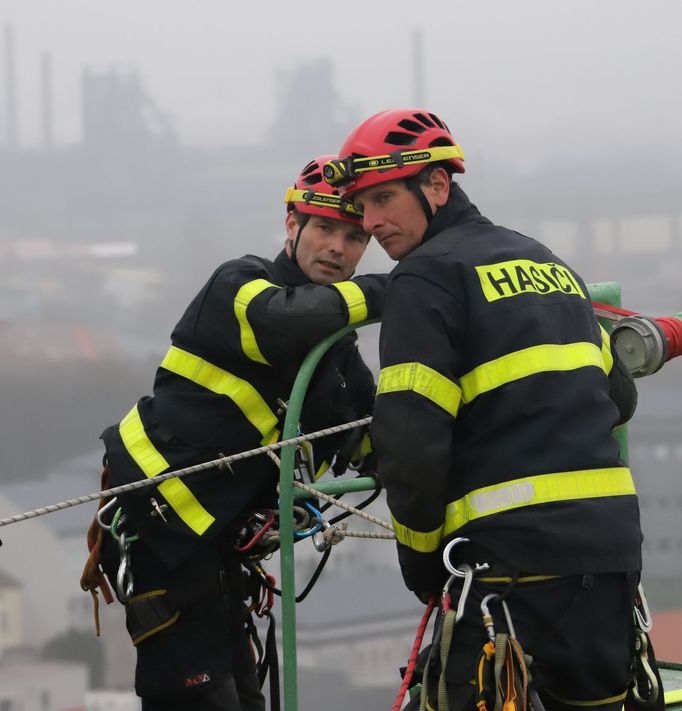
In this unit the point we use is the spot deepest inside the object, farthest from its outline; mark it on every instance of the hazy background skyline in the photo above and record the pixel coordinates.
(510, 73)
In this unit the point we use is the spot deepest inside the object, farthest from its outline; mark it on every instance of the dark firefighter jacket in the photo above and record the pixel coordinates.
(495, 407)
(219, 390)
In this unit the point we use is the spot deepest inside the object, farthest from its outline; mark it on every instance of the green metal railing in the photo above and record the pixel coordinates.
(286, 502)
(607, 292)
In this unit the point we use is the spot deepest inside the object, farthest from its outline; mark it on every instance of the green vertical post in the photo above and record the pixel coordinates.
(608, 292)
(286, 503)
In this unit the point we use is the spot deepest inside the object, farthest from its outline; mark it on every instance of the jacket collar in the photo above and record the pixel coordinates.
(291, 273)
(457, 209)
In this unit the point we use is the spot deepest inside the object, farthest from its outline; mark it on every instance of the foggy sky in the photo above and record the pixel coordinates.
(522, 77)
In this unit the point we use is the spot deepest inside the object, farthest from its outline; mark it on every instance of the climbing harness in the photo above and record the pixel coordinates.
(502, 677)
(449, 617)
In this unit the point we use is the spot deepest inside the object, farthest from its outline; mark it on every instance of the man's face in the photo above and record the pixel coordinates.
(328, 250)
(394, 215)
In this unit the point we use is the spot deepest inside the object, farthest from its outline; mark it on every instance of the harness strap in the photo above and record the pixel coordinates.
(270, 664)
(449, 622)
(149, 613)
(93, 577)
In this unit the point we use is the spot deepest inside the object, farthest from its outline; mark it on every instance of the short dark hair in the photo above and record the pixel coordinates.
(425, 175)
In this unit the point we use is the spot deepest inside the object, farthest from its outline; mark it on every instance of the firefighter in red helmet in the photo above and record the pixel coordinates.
(496, 403)
(219, 390)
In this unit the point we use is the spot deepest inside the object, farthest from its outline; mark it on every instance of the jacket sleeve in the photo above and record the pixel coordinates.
(286, 322)
(413, 427)
(622, 389)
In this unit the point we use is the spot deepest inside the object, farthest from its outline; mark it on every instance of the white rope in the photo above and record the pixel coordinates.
(368, 534)
(347, 507)
(223, 461)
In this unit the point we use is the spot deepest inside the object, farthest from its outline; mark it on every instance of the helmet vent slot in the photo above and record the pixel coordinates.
(398, 138)
(425, 120)
(409, 125)
(438, 122)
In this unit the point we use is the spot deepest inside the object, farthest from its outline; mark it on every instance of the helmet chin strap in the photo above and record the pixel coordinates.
(294, 246)
(413, 185)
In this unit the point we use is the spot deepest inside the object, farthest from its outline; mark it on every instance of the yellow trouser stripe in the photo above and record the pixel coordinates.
(529, 361)
(219, 381)
(245, 296)
(588, 703)
(422, 380)
(355, 300)
(527, 491)
(152, 463)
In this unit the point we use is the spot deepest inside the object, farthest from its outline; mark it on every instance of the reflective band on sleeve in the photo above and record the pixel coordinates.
(418, 541)
(152, 463)
(528, 491)
(606, 350)
(539, 489)
(244, 297)
(355, 300)
(422, 380)
(219, 381)
(529, 361)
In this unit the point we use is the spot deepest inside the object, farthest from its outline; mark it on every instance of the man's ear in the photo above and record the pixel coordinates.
(439, 186)
(291, 225)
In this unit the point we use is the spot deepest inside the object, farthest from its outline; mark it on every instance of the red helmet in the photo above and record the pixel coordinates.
(392, 145)
(311, 195)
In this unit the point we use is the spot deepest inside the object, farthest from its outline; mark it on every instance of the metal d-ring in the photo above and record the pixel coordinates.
(457, 571)
(319, 541)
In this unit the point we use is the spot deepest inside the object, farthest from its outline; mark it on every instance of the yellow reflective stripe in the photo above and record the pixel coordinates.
(589, 703)
(423, 380)
(355, 300)
(606, 350)
(245, 296)
(529, 361)
(539, 489)
(673, 696)
(522, 579)
(424, 542)
(323, 469)
(152, 463)
(219, 381)
(527, 491)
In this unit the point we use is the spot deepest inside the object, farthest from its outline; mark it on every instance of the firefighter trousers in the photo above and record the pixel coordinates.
(193, 652)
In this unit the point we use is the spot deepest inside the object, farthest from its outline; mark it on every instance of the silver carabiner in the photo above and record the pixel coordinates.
(459, 572)
(466, 587)
(466, 572)
(488, 618)
(102, 511)
(641, 648)
(642, 614)
(124, 576)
